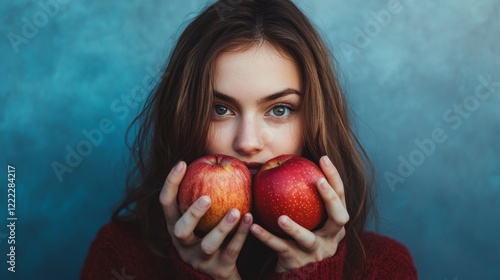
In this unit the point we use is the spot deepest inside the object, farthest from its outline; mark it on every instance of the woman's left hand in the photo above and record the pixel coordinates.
(305, 246)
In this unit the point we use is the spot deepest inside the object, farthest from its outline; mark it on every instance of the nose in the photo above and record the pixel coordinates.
(249, 140)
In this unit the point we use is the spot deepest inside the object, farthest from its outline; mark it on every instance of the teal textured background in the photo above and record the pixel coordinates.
(423, 79)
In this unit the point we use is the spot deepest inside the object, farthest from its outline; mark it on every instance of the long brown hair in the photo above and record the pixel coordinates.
(174, 122)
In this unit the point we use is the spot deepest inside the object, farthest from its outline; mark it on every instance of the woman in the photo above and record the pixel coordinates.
(253, 82)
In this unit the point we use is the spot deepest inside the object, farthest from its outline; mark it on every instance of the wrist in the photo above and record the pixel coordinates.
(231, 276)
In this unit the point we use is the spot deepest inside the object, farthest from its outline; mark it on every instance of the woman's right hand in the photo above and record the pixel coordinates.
(210, 254)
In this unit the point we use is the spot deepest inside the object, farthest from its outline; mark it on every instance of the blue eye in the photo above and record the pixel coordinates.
(280, 111)
(221, 110)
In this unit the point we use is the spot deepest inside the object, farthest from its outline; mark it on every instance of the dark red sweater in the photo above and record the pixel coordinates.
(117, 254)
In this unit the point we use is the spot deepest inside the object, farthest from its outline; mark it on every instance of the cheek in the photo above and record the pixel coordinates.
(217, 139)
(287, 139)
(296, 141)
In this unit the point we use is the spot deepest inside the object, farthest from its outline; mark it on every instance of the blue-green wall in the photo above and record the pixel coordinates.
(423, 79)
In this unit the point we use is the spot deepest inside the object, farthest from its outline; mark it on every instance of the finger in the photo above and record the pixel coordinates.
(337, 213)
(168, 195)
(184, 228)
(277, 244)
(305, 238)
(333, 177)
(233, 248)
(212, 241)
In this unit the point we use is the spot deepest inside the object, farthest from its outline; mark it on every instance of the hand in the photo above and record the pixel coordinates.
(210, 254)
(306, 246)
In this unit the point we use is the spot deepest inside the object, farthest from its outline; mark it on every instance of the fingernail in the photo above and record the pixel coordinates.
(232, 217)
(285, 221)
(247, 219)
(204, 201)
(322, 184)
(256, 230)
(178, 167)
(328, 162)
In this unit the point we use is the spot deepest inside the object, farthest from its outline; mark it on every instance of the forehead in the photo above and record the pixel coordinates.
(260, 69)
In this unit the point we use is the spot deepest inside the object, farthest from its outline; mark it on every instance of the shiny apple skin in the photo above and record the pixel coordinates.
(286, 185)
(225, 179)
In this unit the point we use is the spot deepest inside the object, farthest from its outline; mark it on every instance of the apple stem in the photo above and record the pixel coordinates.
(216, 159)
(279, 163)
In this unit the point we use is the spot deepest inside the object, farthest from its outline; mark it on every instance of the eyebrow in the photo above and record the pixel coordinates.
(265, 99)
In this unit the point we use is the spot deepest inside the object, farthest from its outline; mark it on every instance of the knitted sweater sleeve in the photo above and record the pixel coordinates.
(387, 258)
(109, 254)
(116, 254)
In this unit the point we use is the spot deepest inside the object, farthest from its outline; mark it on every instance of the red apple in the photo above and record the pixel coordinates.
(286, 185)
(225, 179)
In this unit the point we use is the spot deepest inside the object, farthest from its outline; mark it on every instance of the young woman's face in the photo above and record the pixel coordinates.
(256, 111)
